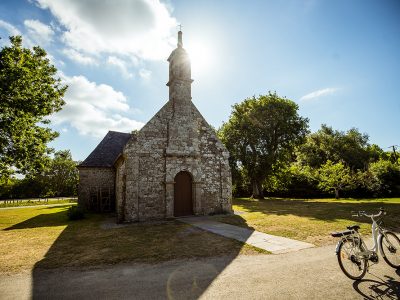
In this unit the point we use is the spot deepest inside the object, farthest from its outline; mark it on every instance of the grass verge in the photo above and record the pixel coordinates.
(310, 220)
(34, 202)
(43, 237)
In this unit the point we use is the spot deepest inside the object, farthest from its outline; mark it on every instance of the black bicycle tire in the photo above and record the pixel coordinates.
(364, 262)
(383, 253)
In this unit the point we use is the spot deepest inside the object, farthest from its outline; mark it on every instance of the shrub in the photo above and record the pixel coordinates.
(75, 213)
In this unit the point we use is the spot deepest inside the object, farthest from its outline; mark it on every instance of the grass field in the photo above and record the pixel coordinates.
(33, 202)
(42, 237)
(310, 220)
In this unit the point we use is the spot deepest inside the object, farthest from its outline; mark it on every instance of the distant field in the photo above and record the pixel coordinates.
(43, 237)
(36, 201)
(310, 220)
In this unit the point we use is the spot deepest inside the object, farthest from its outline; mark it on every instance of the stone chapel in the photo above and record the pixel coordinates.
(174, 166)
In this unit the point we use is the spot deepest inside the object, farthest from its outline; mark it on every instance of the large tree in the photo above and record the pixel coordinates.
(29, 91)
(260, 133)
(350, 147)
(60, 177)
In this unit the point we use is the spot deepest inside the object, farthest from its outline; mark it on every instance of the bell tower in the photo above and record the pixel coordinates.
(179, 74)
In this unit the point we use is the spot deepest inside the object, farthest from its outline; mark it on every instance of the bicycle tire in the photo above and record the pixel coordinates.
(390, 249)
(343, 258)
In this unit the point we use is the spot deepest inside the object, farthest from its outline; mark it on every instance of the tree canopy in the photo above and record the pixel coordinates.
(260, 133)
(350, 147)
(29, 91)
(59, 178)
(334, 176)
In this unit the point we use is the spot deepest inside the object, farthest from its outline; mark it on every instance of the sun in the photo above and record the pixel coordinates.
(200, 57)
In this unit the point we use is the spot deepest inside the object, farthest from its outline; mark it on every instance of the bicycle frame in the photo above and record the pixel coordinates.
(377, 232)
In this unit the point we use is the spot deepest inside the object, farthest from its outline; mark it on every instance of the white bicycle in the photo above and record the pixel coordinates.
(353, 255)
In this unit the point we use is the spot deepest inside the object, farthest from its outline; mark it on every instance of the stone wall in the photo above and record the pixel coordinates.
(176, 139)
(97, 188)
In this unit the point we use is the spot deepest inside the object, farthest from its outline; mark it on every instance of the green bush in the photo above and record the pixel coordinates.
(75, 213)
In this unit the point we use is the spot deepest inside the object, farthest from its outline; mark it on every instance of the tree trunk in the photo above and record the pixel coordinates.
(257, 190)
(337, 193)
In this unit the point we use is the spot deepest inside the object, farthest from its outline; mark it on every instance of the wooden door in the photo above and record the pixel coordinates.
(183, 204)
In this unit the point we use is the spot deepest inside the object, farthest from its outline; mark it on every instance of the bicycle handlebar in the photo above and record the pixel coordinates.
(365, 214)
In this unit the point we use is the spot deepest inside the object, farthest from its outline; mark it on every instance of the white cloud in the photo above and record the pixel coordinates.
(120, 65)
(93, 109)
(79, 57)
(145, 74)
(12, 30)
(39, 32)
(141, 28)
(318, 93)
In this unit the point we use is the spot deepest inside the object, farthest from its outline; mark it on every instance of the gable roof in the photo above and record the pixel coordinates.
(105, 154)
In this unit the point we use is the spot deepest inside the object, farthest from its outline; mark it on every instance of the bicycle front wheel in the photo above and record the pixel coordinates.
(390, 247)
(351, 260)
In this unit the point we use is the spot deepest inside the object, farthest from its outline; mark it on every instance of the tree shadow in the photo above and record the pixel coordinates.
(93, 259)
(377, 289)
(42, 220)
(325, 211)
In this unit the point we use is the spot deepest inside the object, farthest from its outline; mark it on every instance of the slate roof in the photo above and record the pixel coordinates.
(105, 154)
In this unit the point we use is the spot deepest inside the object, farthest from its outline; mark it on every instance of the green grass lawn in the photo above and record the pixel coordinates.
(310, 220)
(33, 202)
(42, 237)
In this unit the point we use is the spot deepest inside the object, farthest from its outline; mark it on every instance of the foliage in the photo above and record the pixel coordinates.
(334, 176)
(387, 177)
(350, 147)
(75, 213)
(60, 178)
(29, 91)
(293, 180)
(260, 134)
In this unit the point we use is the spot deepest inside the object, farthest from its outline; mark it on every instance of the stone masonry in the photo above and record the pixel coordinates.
(176, 140)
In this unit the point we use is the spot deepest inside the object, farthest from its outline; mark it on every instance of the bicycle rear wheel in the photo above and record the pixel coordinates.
(350, 258)
(390, 246)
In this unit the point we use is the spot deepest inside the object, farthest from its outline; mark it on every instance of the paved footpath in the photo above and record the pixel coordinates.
(311, 273)
(272, 243)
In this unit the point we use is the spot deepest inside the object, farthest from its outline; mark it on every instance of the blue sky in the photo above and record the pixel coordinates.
(339, 60)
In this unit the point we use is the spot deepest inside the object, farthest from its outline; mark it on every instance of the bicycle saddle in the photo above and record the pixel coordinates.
(341, 233)
(353, 227)
(346, 232)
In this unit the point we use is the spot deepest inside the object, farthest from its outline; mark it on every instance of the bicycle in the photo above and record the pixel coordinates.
(353, 254)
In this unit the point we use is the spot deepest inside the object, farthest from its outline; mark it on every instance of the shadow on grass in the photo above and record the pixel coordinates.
(42, 220)
(167, 259)
(326, 211)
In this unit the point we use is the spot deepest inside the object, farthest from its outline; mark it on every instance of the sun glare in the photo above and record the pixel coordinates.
(200, 57)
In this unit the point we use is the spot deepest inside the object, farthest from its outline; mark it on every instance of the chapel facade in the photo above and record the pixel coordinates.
(174, 166)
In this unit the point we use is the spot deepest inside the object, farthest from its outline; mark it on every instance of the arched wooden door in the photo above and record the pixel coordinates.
(183, 204)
